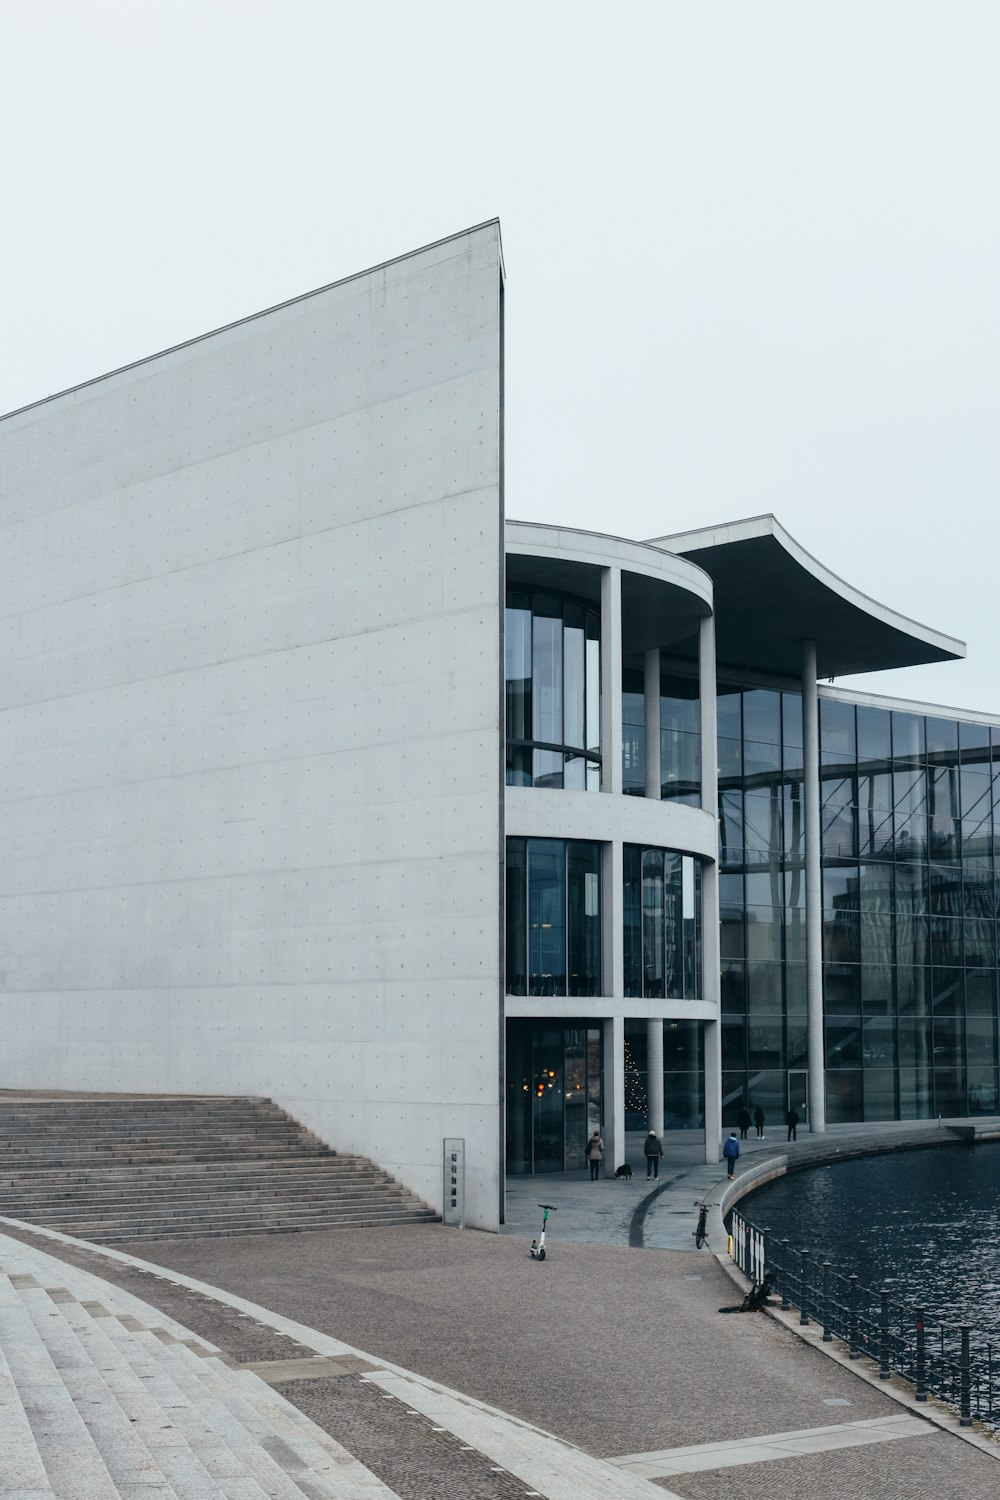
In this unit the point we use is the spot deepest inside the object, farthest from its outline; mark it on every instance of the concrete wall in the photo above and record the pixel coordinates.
(250, 809)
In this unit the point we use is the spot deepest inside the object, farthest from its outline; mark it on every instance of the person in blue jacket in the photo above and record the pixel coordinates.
(731, 1151)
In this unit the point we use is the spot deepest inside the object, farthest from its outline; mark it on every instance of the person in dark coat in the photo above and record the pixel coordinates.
(792, 1120)
(654, 1150)
(731, 1151)
(594, 1153)
(758, 1119)
(743, 1121)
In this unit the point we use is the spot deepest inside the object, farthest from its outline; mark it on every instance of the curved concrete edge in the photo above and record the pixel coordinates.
(729, 1194)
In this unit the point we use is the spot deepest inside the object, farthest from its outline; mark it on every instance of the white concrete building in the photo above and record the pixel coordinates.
(323, 781)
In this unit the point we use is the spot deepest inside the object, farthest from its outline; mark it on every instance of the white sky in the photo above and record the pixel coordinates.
(751, 248)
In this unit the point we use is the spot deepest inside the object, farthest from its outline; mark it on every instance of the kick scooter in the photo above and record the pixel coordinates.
(538, 1246)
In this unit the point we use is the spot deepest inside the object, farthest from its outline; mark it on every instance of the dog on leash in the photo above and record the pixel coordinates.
(624, 1172)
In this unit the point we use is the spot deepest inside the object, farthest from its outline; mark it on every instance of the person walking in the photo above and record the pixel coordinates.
(654, 1150)
(743, 1121)
(731, 1151)
(758, 1119)
(594, 1153)
(792, 1120)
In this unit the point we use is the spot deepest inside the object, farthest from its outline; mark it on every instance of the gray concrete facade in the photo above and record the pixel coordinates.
(250, 719)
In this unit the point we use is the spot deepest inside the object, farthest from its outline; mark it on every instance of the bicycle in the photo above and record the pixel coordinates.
(538, 1246)
(701, 1233)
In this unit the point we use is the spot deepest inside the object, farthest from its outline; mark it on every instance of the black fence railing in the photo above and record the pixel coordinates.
(944, 1360)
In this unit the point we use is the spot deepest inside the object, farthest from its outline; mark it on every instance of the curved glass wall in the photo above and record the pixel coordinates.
(552, 658)
(680, 738)
(662, 924)
(910, 822)
(553, 917)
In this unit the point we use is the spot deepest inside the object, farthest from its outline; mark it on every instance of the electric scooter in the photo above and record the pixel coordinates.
(538, 1246)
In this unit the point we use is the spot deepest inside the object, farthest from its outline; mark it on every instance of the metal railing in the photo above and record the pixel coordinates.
(940, 1359)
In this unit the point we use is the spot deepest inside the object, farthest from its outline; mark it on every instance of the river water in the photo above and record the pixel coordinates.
(925, 1224)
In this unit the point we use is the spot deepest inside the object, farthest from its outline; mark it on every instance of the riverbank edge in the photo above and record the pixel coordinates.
(731, 1193)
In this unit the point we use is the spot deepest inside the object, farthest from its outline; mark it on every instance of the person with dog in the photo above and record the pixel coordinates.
(594, 1153)
(653, 1149)
(731, 1151)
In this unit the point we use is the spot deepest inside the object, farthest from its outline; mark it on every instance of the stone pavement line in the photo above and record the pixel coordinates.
(670, 1461)
(558, 1470)
(552, 1468)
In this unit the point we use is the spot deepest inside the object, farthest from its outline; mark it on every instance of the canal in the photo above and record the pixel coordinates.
(925, 1224)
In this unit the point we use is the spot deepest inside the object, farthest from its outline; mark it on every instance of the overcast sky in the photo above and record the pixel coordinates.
(751, 248)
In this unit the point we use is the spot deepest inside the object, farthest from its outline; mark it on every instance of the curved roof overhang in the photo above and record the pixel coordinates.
(663, 595)
(771, 596)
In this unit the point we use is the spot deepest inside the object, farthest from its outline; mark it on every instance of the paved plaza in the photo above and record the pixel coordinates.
(431, 1363)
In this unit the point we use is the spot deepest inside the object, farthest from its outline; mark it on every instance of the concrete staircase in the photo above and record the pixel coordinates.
(102, 1396)
(113, 1167)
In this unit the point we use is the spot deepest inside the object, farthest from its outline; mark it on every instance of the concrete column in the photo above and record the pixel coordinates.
(654, 1075)
(651, 692)
(614, 1093)
(711, 959)
(814, 888)
(611, 680)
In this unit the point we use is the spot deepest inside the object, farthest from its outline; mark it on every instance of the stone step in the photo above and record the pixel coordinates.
(124, 1172)
(161, 1410)
(141, 1236)
(174, 1203)
(82, 1215)
(104, 1230)
(21, 1463)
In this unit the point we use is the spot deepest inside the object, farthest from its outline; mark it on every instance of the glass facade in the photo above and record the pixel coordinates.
(683, 1076)
(553, 914)
(662, 924)
(680, 738)
(553, 1094)
(909, 809)
(552, 668)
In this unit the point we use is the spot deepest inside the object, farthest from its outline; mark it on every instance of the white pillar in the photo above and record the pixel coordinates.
(611, 680)
(654, 1075)
(710, 947)
(651, 693)
(614, 1093)
(814, 889)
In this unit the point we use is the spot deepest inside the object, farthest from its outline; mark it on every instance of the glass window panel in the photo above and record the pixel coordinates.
(844, 1097)
(763, 988)
(795, 989)
(842, 936)
(949, 1090)
(673, 926)
(791, 724)
(734, 1043)
(632, 919)
(879, 1041)
(982, 1085)
(680, 708)
(916, 1094)
(942, 738)
(973, 738)
(519, 765)
(575, 773)
(652, 924)
(912, 939)
(943, 790)
(980, 1039)
(795, 936)
(547, 675)
(547, 768)
(764, 887)
(913, 990)
(876, 887)
(975, 795)
(593, 685)
(843, 1043)
(947, 991)
(731, 836)
(914, 1040)
(766, 1043)
(909, 742)
(874, 734)
(946, 940)
(880, 1093)
(517, 665)
(516, 917)
(911, 884)
(842, 989)
(841, 887)
(546, 917)
(728, 714)
(762, 716)
(797, 1043)
(763, 931)
(836, 729)
(734, 987)
(760, 757)
(762, 820)
(980, 992)
(680, 765)
(574, 676)
(793, 808)
(583, 881)
(876, 989)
